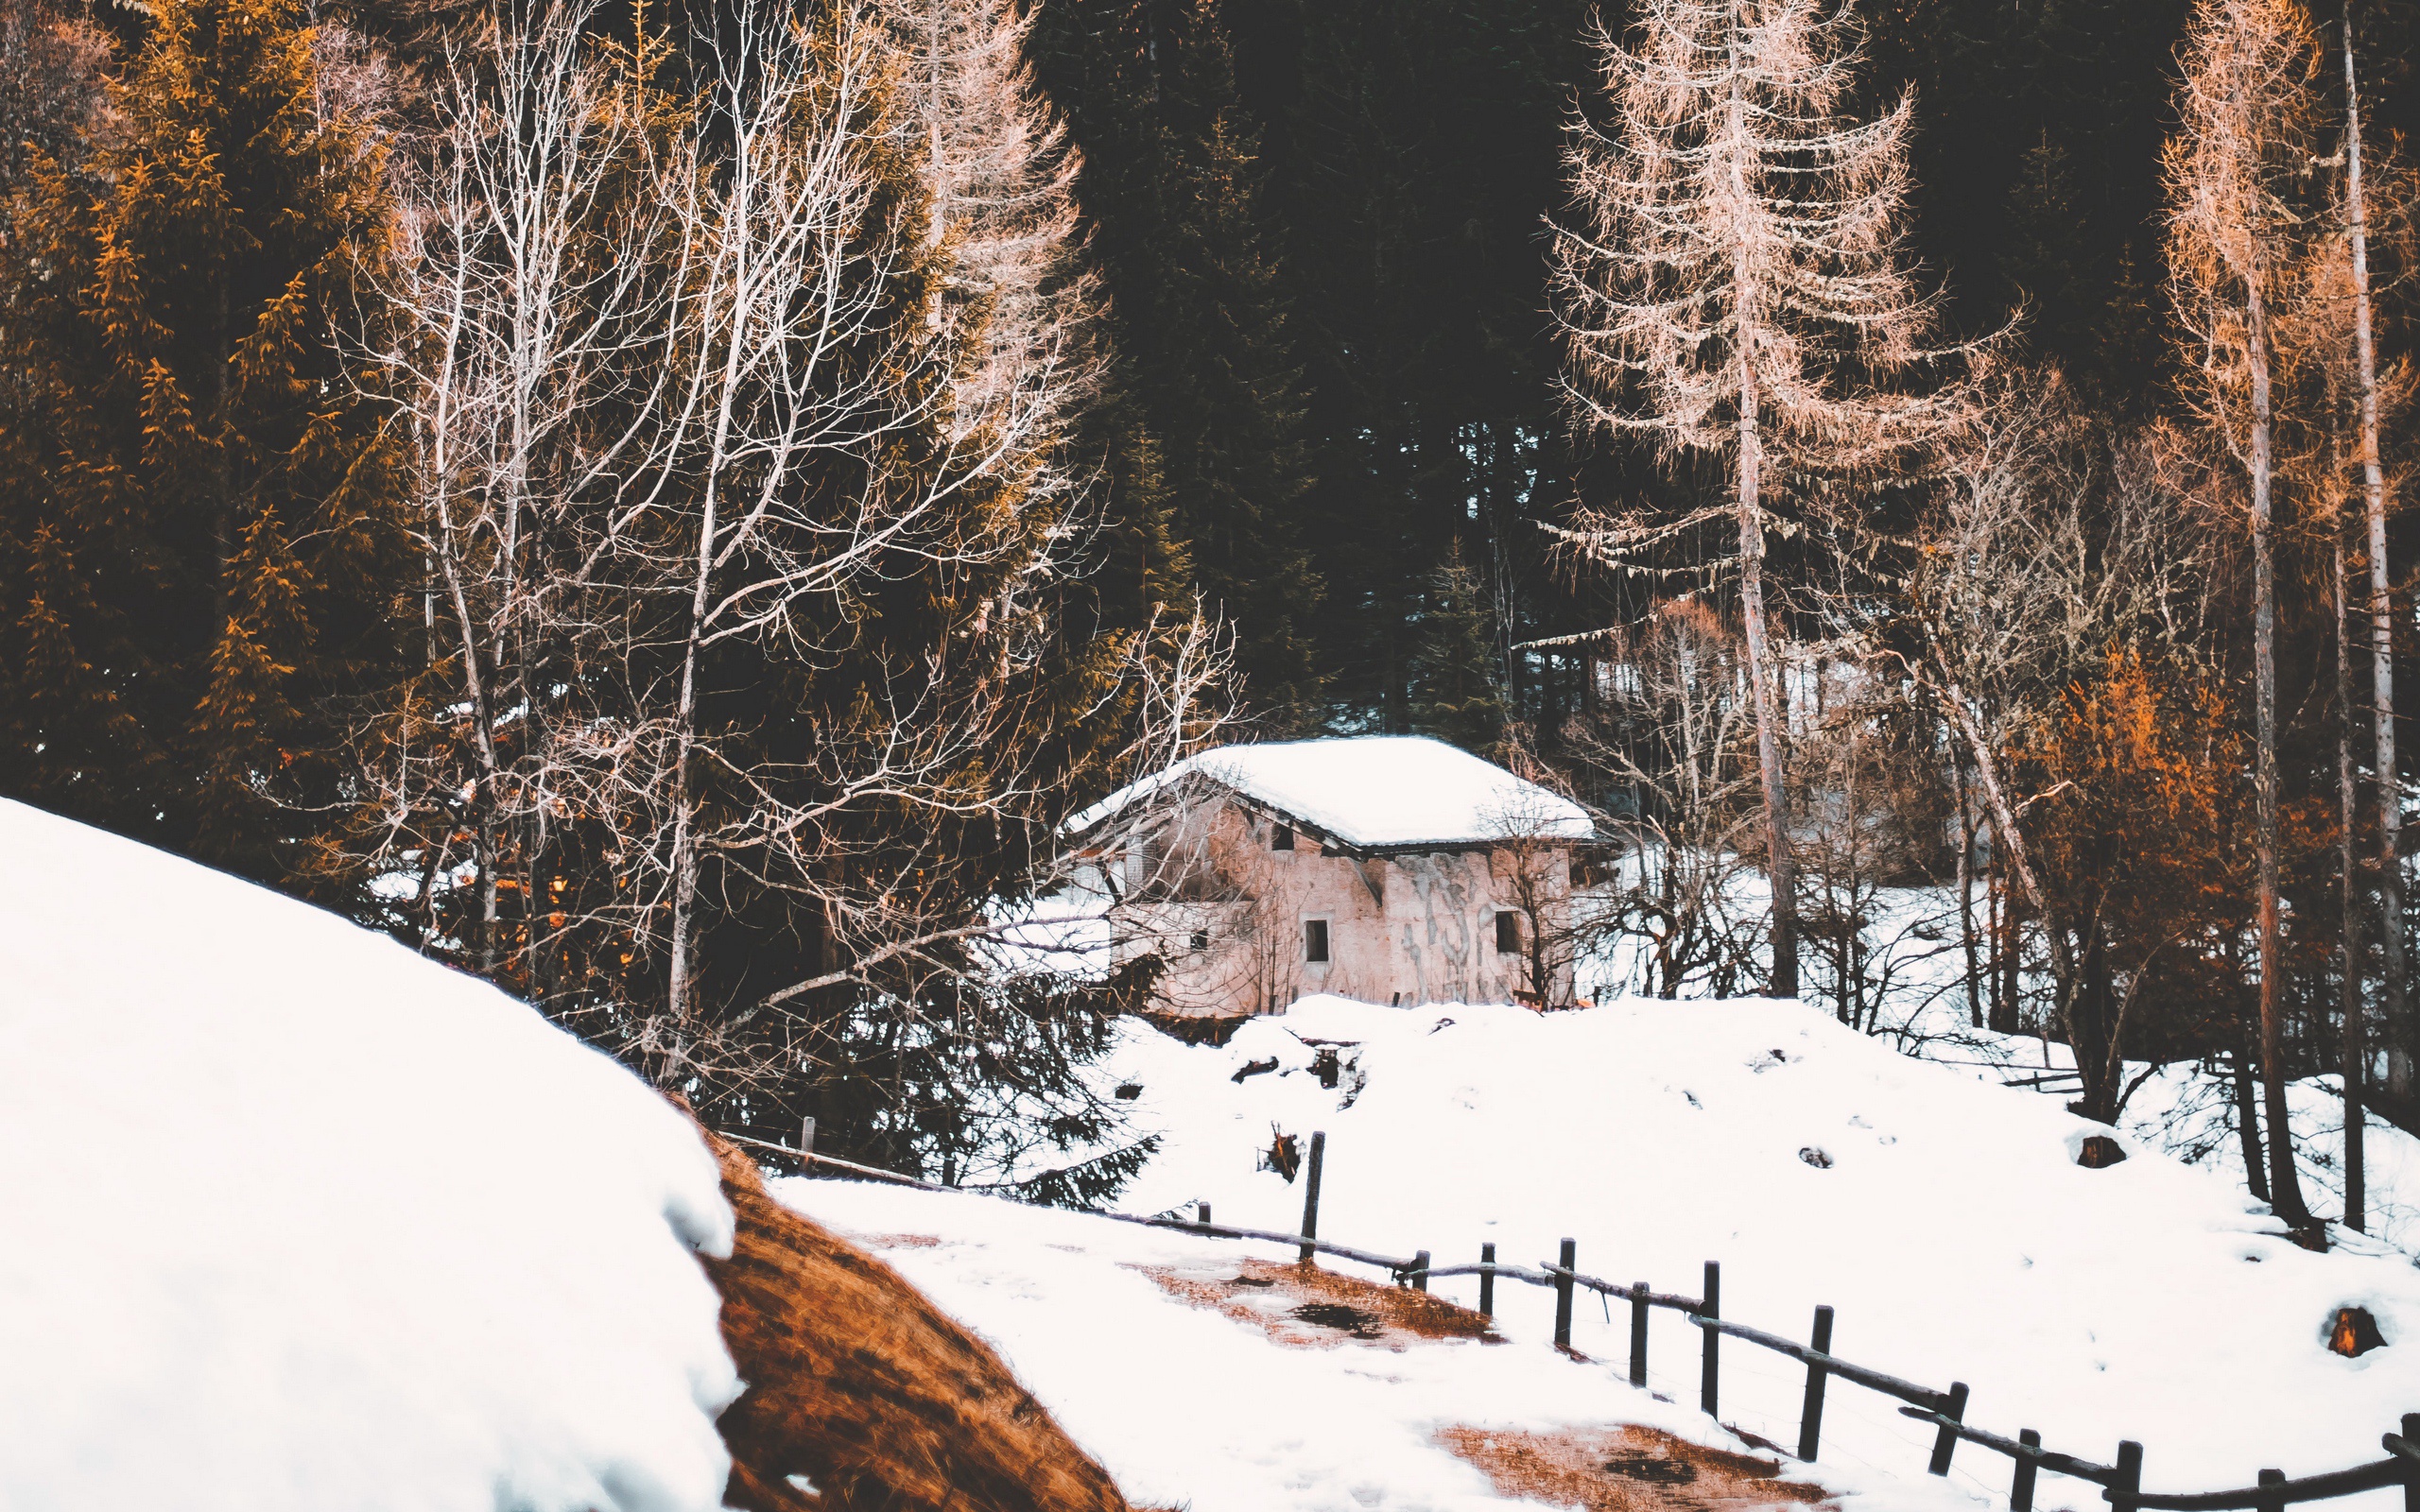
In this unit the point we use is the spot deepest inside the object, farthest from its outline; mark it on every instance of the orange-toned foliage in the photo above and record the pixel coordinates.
(2144, 836)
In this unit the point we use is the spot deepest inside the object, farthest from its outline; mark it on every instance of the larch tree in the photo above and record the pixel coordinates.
(2235, 244)
(201, 523)
(2401, 1033)
(1734, 286)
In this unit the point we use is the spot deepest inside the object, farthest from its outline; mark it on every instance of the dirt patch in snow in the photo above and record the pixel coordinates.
(896, 1240)
(1310, 1308)
(1623, 1469)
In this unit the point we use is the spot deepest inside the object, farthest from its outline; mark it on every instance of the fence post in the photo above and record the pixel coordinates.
(2411, 1480)
(806, 1138)
(1571, 1257)
(1638, 1334)
(2125, 1491)
(1945, 1441)
(1810, 1416)
(1311, 1194)
(1420, 1270)
(2276, 1501)
(1487, 1280)
(2020, 1489)
(1710, 1365)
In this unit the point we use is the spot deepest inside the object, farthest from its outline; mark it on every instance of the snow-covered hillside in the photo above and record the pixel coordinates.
(300, 1222)
(1944, 1218)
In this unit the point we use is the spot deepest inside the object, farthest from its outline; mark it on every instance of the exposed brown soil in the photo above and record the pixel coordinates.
(1310, 1308)
(1623, 1469)
(862, 1388)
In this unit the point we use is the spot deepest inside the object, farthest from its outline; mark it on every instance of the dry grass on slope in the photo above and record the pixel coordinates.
(1624, 1470)
(861, 1387)
(1307, 1307)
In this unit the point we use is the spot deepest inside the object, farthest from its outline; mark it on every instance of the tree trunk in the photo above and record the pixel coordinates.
(2349, 970)
(2063, 966)
(2399, 1031)
(2247, 1123)
(2286, 1198)
(1784, 980)
(1966, 887)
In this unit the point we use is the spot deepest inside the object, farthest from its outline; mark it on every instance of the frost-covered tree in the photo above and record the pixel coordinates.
(1734, 288)
(2234, 171)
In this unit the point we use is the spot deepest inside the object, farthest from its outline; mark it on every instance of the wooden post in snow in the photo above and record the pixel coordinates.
(2020, 1489)
(1638, 1334)
(1311, 1194)
(1568, 1258)
(1710, 1365)
(2126, 1485)
(1810, 1415)
(1945, 1442)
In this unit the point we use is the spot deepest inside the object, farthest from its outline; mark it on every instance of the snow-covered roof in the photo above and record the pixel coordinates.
(1372, 791)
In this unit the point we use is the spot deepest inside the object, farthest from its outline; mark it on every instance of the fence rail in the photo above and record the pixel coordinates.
(1945, 1411)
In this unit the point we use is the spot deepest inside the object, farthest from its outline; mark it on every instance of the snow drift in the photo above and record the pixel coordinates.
(278, 1238)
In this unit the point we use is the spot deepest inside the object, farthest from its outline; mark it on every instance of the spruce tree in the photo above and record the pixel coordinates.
(199, 521)
(1172, 197)
(1456, 693)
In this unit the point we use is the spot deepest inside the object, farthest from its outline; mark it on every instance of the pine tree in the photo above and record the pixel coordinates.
(1456, 694)
(1736, 290)
(201, 515)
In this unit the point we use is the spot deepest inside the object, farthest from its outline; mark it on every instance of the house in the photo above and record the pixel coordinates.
(1390, 868)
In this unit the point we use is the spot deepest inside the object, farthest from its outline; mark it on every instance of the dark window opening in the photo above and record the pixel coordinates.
(1315, 939)
(1281, 839)
(1507, 934)
(1200, 940)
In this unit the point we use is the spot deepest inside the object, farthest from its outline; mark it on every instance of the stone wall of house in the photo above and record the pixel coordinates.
(1227, 912)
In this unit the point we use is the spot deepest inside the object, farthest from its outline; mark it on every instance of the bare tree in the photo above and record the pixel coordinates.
(2052, 539)
(751, 555)
(1670, 744)
(1735, 288)
(2234, 232)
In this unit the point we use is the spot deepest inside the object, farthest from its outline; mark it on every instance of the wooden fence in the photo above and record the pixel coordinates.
(2121, 1481)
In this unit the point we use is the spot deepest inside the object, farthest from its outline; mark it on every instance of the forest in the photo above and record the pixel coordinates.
(672, 509)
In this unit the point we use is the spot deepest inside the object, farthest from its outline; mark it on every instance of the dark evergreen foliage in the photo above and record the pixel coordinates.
(200, 540)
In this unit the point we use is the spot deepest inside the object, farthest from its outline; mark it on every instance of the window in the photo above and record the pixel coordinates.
(1281, 839)
(1200, 940)
(1315, 940)
(1508, 933)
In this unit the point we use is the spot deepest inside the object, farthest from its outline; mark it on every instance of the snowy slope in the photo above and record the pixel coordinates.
(1951, 1229)
(297, 1220)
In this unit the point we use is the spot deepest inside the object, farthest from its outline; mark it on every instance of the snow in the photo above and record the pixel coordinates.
(1374, 791)
(1188, 1408)
(1951, 1229)
(300, 1222)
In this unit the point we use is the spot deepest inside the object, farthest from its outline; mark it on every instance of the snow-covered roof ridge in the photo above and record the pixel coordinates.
(1377, 792)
